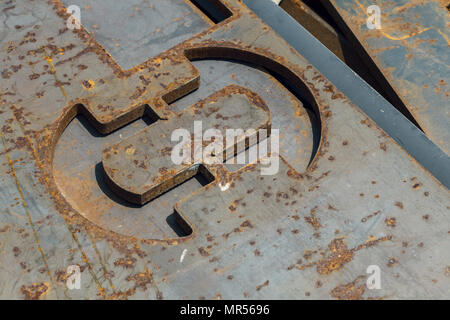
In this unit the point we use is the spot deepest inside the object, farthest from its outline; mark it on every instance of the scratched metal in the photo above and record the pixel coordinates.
(411, 51)
(167, 23)
(310, 231)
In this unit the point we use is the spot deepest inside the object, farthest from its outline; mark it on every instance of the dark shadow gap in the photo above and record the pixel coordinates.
(344, 45)
(291, 83)
(87, 124)
(100, 177)
(174, 220)
(319, 9)
(97, 129)
(178, 225)
(310, 107)
(215, 10)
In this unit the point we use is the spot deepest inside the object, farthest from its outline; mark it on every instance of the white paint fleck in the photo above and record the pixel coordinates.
(225, 187)
(183, 255)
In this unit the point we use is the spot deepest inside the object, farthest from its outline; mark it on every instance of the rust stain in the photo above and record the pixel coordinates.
(407, 36)
(339, 255)
(350, 291)
(24, 204)
(144, 279)
(35, 291)
(53, 72)
(265, 284)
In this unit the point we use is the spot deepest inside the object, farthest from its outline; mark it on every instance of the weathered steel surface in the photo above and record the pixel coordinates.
(411, 51)
(405, 133)
(172, 22)
(330, 35)
(147, 169)
(309, 231)
(327, 35)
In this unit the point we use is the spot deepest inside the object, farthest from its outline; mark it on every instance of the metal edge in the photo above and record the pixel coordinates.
(386, 116)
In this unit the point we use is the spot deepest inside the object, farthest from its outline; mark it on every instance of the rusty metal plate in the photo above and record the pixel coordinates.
(411, 52)
(82, 134)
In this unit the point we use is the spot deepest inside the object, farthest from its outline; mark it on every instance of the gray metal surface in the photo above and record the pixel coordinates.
(148, 169)
(411, 52)
(359, 92)
(349, 198)
(167, 23)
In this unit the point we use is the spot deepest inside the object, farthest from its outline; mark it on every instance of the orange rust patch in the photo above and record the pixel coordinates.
(141, 280)
(126, 263)
(391, 222)
(88, 84)
(35, 291)
(350, 291)
(339, 255)
(313, 220)
(120, 295)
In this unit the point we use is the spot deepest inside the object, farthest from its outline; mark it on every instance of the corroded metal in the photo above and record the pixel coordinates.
(393, 122)
(148, 170)
(410, 50)
(330, 35)
(346, 195)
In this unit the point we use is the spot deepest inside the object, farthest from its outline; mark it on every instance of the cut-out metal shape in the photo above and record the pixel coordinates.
(310, 230)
